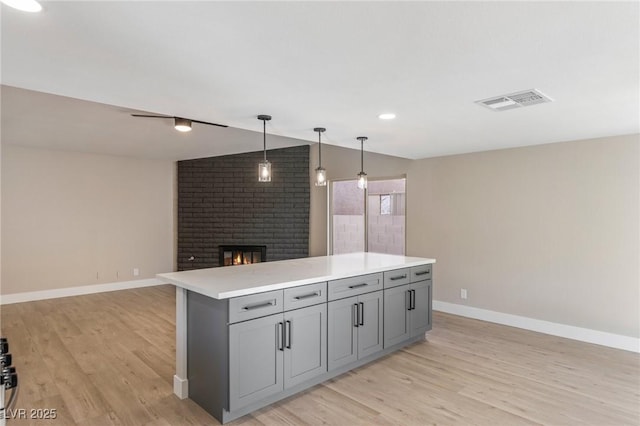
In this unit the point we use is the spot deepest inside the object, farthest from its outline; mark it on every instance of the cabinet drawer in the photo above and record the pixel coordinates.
(397, 277)
(353, 286)
(306, 295)
(255, 305)
(419, 273)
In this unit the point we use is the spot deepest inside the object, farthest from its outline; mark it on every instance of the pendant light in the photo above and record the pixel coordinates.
(321, 173)
(264, 167)
(362, 176)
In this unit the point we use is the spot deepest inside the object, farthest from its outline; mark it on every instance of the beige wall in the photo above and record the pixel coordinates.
(343, 163)
(68, 216)
(548, 232)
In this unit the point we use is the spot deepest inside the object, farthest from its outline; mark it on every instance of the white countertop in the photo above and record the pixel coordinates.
(240, 280)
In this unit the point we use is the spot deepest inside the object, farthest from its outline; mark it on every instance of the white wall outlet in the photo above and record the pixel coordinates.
(136, 272)
(463, 293)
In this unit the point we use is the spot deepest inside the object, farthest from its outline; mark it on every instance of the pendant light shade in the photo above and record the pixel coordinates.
(182, 124)
(321, 173)
(264, 167)
(362, 176)
(362, 180)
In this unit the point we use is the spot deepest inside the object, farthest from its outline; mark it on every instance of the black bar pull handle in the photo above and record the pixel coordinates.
(280, 337)
(5, 360)
(308, 296)
(413, 300)
(287, 333)
(425, 272)
(259, 305)
(399, 277)
(408, 299)
(361, 312)
(356, 315)
(359, 285)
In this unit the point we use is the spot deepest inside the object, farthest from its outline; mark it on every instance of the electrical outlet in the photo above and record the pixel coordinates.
(463, 293)
(136, 272)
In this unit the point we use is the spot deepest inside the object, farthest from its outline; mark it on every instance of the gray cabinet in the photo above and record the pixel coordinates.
(397, 277)
(407, 312)
(273, 353)
(342, 337)
(305, 349)
(396, 315)
(256, 359)
(250, 351)
(255, 306)
(370, 323)
(353, 286)
(354, 328)
(420, 315)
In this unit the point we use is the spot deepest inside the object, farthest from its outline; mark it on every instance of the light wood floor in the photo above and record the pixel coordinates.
(108, 359)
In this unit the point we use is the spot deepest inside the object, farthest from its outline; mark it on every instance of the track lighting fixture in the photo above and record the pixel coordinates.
(180, 124)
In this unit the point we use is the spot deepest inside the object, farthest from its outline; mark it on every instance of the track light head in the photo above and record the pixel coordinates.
(182, 124)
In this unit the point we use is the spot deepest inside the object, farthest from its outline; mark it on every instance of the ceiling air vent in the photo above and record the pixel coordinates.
(515, 100)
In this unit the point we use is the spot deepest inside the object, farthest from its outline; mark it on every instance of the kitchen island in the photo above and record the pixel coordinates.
(250, 335)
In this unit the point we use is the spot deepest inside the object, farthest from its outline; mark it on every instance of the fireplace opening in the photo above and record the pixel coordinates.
(242, 255)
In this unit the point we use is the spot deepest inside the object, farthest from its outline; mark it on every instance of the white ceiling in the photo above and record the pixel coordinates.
(308, 64)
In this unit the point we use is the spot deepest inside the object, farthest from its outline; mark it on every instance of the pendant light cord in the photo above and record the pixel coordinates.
(320, 149)
(264, 138)
(361, 155)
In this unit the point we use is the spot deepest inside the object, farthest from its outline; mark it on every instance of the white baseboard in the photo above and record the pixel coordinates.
(562, 330)
(180, 387)
(6, 299)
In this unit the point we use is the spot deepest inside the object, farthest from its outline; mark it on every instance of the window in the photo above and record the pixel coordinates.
(385, 204)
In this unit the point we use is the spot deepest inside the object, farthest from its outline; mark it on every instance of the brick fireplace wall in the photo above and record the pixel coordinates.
(221, 202)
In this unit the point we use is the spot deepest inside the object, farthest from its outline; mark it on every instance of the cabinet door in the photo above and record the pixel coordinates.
(256, 354)
(305, 354)
(342, 340)
(396, 315)
(370, 323)
(421, 315)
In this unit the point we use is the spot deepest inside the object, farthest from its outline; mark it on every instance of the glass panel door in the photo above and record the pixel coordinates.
(347, 217)
(383, 219)
(386, 201)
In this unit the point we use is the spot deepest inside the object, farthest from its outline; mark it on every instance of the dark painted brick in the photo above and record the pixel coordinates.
(220, 202)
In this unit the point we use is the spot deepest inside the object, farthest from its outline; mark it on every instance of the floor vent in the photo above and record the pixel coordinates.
(515, 100)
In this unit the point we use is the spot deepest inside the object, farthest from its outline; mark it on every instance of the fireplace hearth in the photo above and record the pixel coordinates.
(242, 255)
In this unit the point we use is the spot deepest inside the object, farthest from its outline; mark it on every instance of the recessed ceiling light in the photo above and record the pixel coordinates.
(387, 116)
(24, 5)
